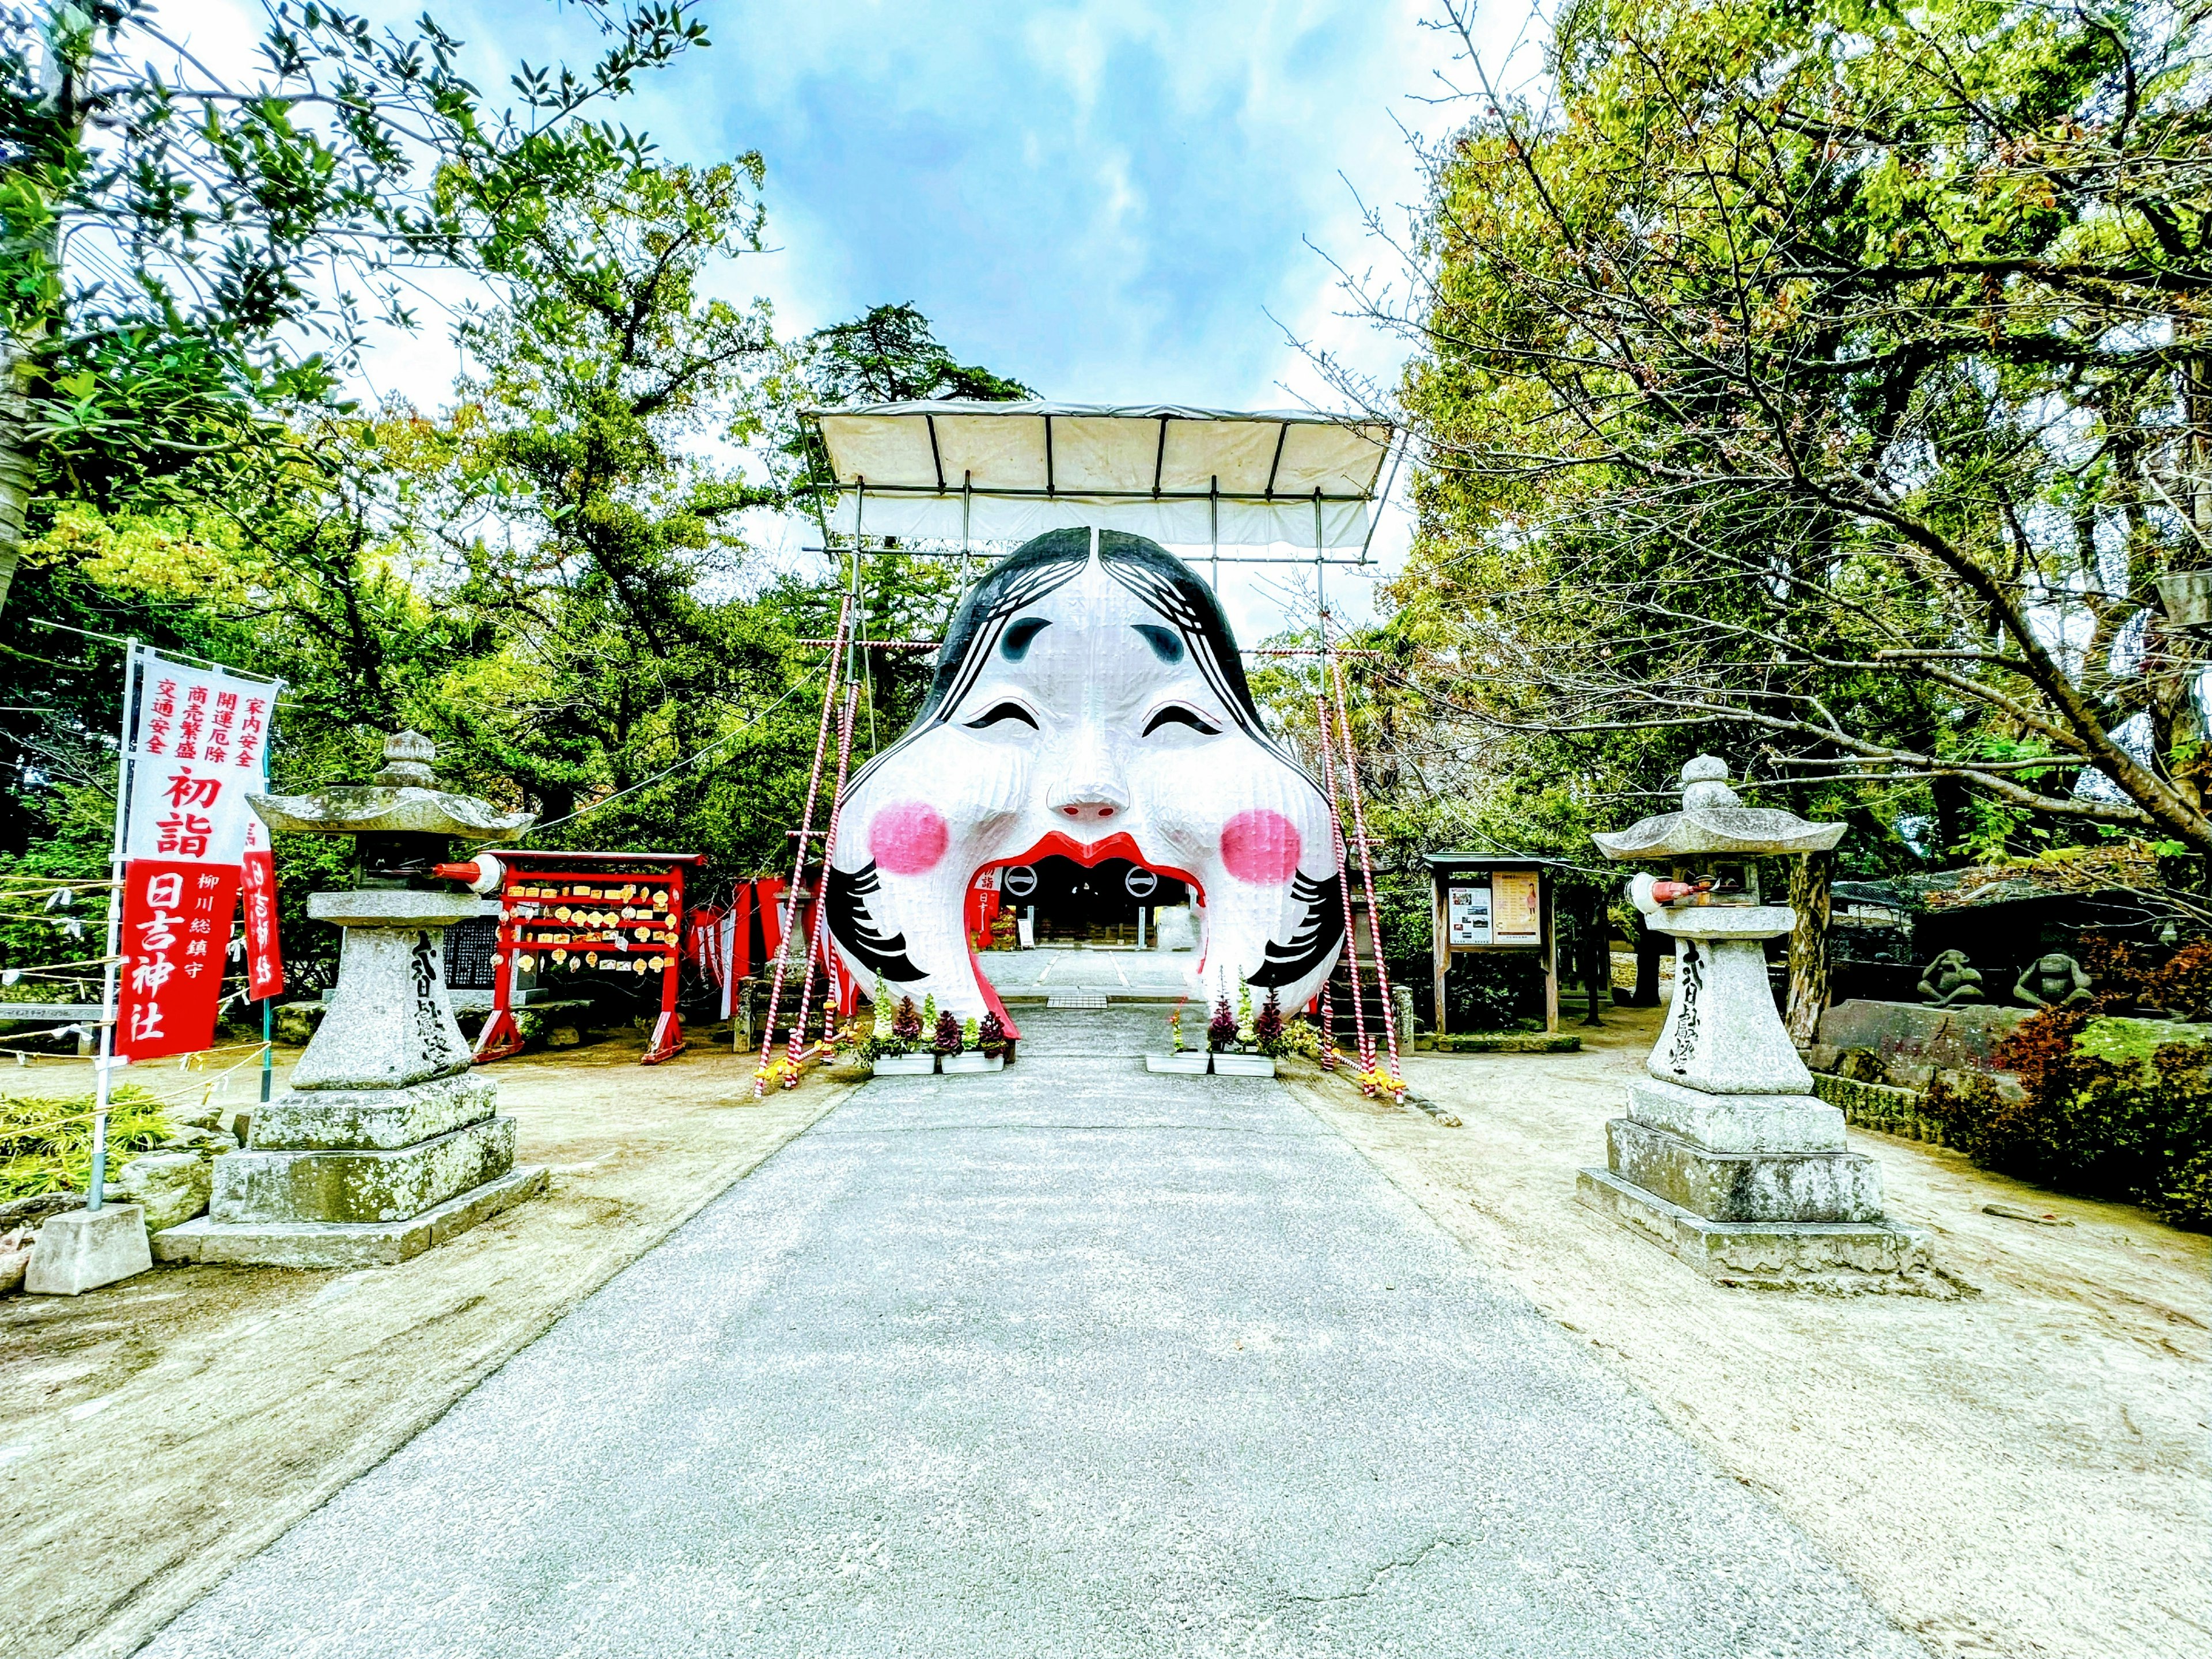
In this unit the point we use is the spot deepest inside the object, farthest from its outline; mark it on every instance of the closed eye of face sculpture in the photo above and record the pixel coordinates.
(1088, 702)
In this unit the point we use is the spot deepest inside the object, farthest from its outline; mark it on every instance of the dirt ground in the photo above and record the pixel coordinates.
(155, 1433)
(2022, 1471)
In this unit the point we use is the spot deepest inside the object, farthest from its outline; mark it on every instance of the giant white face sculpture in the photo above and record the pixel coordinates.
(1089, 703)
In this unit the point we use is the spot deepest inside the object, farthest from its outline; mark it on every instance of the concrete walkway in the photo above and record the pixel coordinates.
(1118, 974)
(1073, 1361)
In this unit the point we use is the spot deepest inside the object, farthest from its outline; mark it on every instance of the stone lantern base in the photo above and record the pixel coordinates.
(386, 1144)
(1765, 1254)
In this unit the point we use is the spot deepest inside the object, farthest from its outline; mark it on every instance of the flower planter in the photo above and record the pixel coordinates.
(1243, 1065)
(906, 1065)
(962, 1064)
(1187, 1062)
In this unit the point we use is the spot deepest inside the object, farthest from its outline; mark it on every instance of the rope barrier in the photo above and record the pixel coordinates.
(10, 1132)
(1248, 650)
(54, 970)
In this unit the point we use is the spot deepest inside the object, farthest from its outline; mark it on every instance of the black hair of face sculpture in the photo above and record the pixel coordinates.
(1162, 582)
(1088, 700)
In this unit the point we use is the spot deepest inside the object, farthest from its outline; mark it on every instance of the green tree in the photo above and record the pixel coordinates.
(1825, 384)
(186, 260)
(890, 356)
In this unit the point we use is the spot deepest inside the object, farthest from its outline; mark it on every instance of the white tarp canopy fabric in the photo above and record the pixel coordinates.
(1187, 477)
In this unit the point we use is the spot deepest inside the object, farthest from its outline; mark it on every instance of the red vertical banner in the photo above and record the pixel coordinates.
(264, 957)
(198, 749)
(768, 893)
(176, 923)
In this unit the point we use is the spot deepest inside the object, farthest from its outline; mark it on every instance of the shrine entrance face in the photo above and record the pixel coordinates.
(1089, 707)
(1113, 902)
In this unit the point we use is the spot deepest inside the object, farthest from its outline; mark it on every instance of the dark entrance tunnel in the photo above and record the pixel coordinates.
(1100, 905)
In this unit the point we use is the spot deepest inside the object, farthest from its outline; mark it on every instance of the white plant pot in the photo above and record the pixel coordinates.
(906, 1065)
(1243, 1065)
(1187, 1062)
(955, 1065)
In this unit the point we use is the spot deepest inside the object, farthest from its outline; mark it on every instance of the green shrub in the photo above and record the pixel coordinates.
(42, 1152)
(2138, 1134)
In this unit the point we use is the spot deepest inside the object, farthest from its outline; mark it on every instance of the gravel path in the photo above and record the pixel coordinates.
(1071, 1361)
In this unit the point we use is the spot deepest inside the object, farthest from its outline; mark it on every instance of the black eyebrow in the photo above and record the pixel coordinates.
(1166, 646)
(1015, 645)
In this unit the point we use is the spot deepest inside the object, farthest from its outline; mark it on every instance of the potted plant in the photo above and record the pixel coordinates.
(1181, 1059)
(955, 1049)
(900, 1054)
(1235, 1036)
(991, 1039)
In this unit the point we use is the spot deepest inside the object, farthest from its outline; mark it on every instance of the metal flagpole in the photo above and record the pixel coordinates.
(268, 1003)
(95, 1195)
(1321, 566)
(862, 667)
(1364, 1050)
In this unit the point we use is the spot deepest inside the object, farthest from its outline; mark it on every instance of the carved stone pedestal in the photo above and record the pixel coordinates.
(385, 1143)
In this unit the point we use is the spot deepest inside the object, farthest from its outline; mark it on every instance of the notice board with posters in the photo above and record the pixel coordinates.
(1466, 912)
(1487, 903)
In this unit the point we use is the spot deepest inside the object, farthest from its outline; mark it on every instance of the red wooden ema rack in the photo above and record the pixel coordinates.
(581, 914)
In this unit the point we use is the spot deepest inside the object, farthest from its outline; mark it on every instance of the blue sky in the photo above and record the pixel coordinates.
(1110, 199)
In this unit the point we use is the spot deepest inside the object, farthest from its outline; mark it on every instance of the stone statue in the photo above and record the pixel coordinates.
(2056, 980)
(1951, 979)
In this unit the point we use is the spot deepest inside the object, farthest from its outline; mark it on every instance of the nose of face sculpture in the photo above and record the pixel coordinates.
(1088, 800)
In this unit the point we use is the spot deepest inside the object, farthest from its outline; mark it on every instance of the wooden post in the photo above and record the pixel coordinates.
(1544, 905)
(1440, 940)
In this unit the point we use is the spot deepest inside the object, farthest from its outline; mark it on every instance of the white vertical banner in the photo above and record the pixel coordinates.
(196, 756)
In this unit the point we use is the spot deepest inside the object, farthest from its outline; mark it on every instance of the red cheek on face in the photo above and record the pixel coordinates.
(908, 838)
(1260, 847)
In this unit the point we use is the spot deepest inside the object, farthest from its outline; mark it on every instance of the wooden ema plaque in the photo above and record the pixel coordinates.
(577, 917)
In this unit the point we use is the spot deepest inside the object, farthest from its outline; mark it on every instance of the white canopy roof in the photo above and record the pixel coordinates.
(1191, 476)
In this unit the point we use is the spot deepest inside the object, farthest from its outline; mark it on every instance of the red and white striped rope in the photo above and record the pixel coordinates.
(805, 825)
(1343, 885)
(1367, 880)
(817, 948)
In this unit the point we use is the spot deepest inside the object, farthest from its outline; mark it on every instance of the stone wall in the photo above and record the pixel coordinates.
(1878, 1106)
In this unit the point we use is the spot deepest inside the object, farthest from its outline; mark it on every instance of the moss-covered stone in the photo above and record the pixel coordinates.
(354, 1187)
(2132, 1042)
(1509, 1043)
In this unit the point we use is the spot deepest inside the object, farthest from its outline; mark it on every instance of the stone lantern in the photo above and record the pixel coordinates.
(1726, 1156)
(384, 1143)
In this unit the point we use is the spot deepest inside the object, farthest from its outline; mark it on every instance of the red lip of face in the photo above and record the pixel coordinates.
(1119, 845)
